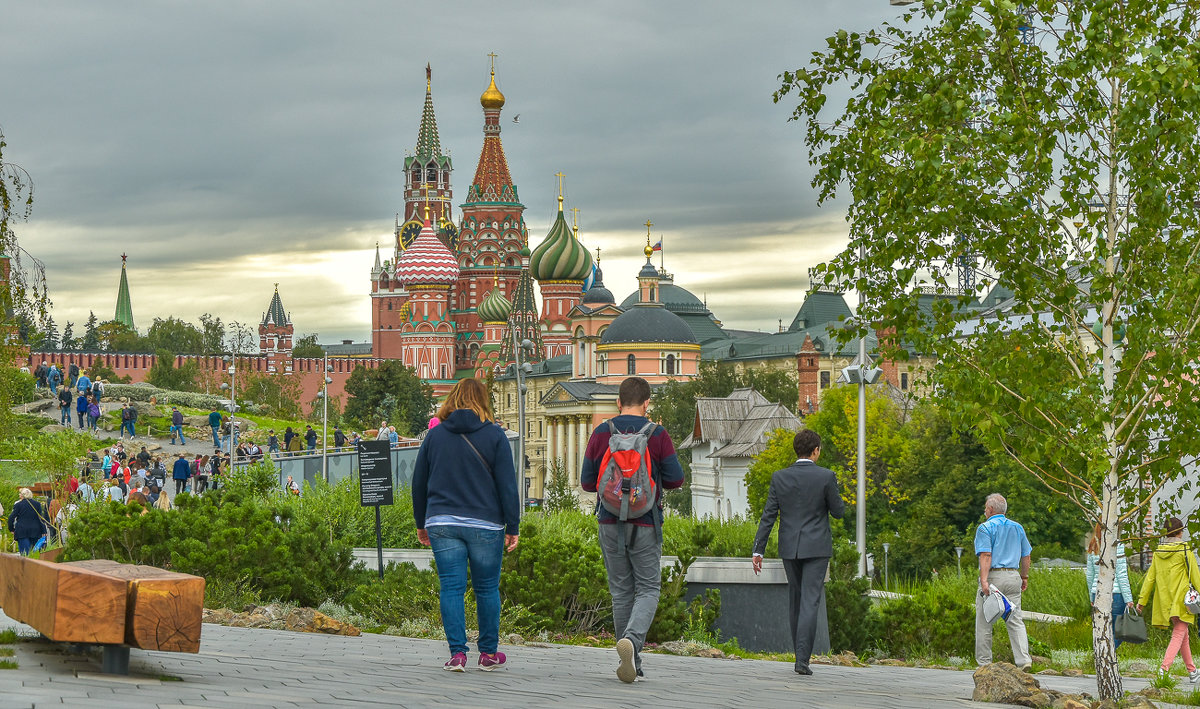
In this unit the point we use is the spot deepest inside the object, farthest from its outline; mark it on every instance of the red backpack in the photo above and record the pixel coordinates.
(626, 487)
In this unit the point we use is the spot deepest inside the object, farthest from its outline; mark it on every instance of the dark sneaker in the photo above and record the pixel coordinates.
(458, 663)
(487, 663)
(626, 672)
(803, 670)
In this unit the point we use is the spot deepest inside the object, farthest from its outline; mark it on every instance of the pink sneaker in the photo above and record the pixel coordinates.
(487, 663)
(458, 663)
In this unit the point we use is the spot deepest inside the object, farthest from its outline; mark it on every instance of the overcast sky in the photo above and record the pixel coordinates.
(229, 146)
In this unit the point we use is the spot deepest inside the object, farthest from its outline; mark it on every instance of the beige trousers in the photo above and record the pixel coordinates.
(1008, 581)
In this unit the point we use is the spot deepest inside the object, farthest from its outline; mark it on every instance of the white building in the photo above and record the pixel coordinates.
(726, 435)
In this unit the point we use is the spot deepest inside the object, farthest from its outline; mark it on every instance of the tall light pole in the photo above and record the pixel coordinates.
(232, 386)
(523, 368)
(325, 417)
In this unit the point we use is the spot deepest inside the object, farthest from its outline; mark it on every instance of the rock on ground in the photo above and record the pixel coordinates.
(1004, 683)
(303, 620)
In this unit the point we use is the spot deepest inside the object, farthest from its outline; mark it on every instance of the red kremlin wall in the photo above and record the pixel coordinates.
(137, 367)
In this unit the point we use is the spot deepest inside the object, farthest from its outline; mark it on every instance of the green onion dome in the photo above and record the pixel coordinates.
(495, 307)
(560, 256)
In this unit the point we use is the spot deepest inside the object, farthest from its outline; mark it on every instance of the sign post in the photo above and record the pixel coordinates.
(375, 484)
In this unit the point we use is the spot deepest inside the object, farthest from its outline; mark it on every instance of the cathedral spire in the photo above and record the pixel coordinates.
(492, 182)
(429, 145)
(275, 314)
(124, 313)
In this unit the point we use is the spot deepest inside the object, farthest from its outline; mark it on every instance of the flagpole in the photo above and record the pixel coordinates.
(662, 254)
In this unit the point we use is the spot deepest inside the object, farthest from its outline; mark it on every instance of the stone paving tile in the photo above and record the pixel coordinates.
(243, 668)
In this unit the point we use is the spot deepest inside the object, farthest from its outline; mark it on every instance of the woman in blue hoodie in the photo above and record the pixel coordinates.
(467, 507)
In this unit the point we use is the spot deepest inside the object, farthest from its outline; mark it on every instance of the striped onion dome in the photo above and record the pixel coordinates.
(495, 307)
(560, 256)
(427, 261)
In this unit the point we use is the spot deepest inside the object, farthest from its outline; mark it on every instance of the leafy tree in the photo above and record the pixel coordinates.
(1069, 167)
(307, 346)
(779, 454)
(212, 335)
(174, 335)
(837, 424)
(114, 336)
(25, 297)
(241, 339)
(558, 495)
(68, 337)
(165, 375)
(391, 389)
(99, 370)
(278, 391)
(90, 342)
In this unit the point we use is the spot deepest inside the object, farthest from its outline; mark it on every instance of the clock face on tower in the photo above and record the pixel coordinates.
(409, 232)
(449, 234)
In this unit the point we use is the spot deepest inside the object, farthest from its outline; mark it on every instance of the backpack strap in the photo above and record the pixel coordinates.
(477, 454)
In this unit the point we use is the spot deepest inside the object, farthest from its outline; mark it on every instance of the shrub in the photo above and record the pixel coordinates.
(195, 400)
(243, 546)
(557, 573)
(938, 619)
(852, 621)
(675, 619)
(404, 594)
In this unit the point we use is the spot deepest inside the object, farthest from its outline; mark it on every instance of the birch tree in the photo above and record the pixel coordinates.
(1050, 149)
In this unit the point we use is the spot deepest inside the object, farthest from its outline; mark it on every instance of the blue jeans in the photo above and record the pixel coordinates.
(24, 546)
(216, 438)
(65, 415)
(455, 549)
(127, 426)
(178, 431)
(1118, 608)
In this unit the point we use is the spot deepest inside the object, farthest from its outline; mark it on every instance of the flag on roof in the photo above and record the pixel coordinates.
(658, 246)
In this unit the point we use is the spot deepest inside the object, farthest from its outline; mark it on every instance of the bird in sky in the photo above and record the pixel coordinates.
(517, 118)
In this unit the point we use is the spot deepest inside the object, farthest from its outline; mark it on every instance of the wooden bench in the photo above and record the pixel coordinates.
(106, 603)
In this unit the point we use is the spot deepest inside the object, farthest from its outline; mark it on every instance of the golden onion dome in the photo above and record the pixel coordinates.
(492, 98)
(649, 250)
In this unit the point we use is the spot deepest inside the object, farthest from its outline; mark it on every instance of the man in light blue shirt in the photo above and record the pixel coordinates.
(1003, 551)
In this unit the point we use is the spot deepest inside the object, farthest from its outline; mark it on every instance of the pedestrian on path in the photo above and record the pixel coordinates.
(81, 410)
(1004, 556)
(272, 442)
(128, 419)
(93, 413)
(214, 422)
(467, 508)
(64, 405)
(83, 385)
(802, 496)
(177, 426)
(26, 521)
(180, 472)
(1122, 596)
(310, 438)
(632, 548)
(1173, 571)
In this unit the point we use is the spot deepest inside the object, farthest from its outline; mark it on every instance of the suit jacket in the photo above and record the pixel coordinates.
(802, 496)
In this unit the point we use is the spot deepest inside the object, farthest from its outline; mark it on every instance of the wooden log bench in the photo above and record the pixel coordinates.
(106, 603)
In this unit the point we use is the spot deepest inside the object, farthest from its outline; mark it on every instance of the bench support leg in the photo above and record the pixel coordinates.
(115, 660)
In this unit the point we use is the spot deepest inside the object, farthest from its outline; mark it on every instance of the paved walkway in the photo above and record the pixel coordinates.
(239, 667)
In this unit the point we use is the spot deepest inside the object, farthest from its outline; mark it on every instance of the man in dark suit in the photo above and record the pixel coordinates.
(802, 496)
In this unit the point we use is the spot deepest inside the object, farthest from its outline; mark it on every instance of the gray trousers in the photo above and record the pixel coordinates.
(1009, 583)
(634, 580)
(806, 585)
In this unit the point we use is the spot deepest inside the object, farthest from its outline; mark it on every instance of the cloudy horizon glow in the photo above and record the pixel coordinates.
(229, 147)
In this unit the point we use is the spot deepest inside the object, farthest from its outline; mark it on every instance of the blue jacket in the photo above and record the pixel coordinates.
(83, 382)
(181, 470)
(1120, 583)
(25, 520)
(450, 479)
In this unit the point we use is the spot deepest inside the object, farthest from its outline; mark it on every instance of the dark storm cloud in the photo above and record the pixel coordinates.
(228, 146)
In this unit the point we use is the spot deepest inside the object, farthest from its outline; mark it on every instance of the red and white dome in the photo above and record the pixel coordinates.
(427, 261)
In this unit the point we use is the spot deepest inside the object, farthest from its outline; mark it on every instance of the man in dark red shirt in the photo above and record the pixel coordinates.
(634, 567)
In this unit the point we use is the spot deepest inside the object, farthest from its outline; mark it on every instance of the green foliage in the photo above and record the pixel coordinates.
(852, 622)
(165, 375)
(557, 572)
(779, 454)
(247, 544)
(937, 620)
(675, 618)
(174, 335)
(144, 392)
(256, 481)
(336, 511)
(404, 594)
(277, 394)
(392, 393)
(683, 536)
(558, 494)
(99, 370)
(307, 346)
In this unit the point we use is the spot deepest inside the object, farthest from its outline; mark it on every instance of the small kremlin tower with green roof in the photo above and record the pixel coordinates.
(124, 314)
(560, 264)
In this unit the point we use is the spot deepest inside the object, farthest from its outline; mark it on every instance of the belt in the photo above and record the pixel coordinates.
(1004, 568)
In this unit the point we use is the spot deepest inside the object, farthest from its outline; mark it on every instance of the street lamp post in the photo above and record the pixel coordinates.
(526, 347)
(325, 418)
(232, 360)
(886, 546)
